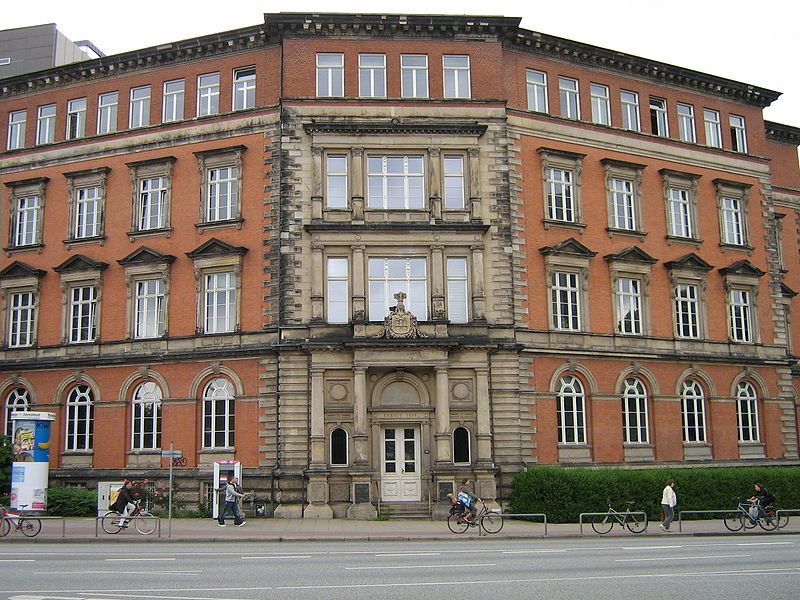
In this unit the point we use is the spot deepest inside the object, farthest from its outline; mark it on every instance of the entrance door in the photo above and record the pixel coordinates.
(400, 479)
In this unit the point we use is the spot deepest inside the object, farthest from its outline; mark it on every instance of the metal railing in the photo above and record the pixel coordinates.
(732, 511)
(40, 518)
(514, 516)
(613, 515)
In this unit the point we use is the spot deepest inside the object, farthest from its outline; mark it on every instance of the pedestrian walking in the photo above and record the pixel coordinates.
(232, 495)
(668, 502)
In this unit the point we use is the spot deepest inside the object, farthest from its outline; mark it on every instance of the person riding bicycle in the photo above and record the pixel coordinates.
(761, 498)
(124, 502)
(468, 498)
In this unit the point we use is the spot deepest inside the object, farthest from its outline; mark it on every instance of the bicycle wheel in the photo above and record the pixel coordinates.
(457, 524)
(492, 522)
(145, 523)
(634, 525)
(748, 522)
(733, 521)
(111, 522)
(30, 527)
(5, 528)
(769, 522)
(604, 526)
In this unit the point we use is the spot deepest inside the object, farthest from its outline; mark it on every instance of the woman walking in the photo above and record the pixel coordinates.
(668, 502)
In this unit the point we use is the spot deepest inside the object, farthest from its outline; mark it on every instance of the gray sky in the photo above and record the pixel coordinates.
(727, 38)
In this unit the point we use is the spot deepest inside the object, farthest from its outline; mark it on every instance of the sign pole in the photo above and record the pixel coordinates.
(169, 509)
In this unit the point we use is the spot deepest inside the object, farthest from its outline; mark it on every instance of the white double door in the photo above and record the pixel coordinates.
(400, 477)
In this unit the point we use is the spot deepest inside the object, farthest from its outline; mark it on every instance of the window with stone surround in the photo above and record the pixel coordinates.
(693, 412)
(630, 280)
(338, 290)
(624, 196)
(561, 173)
(147, 278)
(462, 450)
(571, 411)
(151, 182)
(390, 275)
(680, 201)
(86, 191)
(688, 281)
(79, 419)
(732, 202)
(741, 281)
(395, 182)
(457, 289)
(81, 287)
(19, 290)
(338, 449)
(26, 207)
(567, 268)
(17, 400)
(220, 186)
(336, 190)
(146, 417)
(219, 406)
(635, 425)
(217, 271)
(747, 413)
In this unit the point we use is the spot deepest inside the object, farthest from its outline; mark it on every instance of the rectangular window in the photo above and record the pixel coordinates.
(27, 221)
(338, 291)
(140, 107)
(456, 76)
(372, 75)
(389, 276)
(76, 118)
(83, 314)
(537, 90)
(223, 193)
(740, 316)
(624, 205)
(634, 413)
(16, 129)
(244, 88)
(659, 125)
(336, 181)
(713, 131)
(630, 111)
(565, 299)
(601, 108)
(681, 220)
(738, 134)
(395, 182)
(21, 319)
(457, 290)
(686, 122)
(150, 303)
(208, 94)
(732, 221)
(560, 205)
(107, 112)
(454, 196)
(220, 303)
(570, 102)
(694, 418)
(87, 213)
(747, 414)
(414, 75)
(687, 311)
(173, 101)
(46, 125)
(629, 306)
(152, 203)
(330, 75)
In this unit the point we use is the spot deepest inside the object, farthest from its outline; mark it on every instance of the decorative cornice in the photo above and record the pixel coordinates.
(215, 247)
(742, 267)
(568, 246)
(779, 132)
(20, 269)
(631, 254)
(689, 261)
(787, 292)
(145, 255)
(396, 127)
(79, 262)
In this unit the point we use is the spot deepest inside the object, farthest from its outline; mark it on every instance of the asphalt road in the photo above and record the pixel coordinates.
(672, 568)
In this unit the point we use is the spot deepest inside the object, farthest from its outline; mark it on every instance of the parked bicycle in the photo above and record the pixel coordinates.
(459, 519)
(604, 523)
(749, 514)
(145, 523)
(29, 526)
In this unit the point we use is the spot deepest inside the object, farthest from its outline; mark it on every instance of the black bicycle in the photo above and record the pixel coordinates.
(749, 514)
(602, 524)
(460, 519)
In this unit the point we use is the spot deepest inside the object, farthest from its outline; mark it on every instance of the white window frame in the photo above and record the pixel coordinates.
(732, 216)
(565, 300)
(17, 400)
(46, 124)
(151, 199)
(17, 122)
(414, 76)
(26, 205)
(337, 292)
(22, 309)
(454, 186)
(562, 188)
(693, 413)
(624, 194)
(146, 394)
(107, 107)
(738, 133)
(79, 431)
(330, 76)
(139, 113)
(87, 198)
(220, 317)
(741, 315)
(219, 400)
(208, 94)
(149, 307)
(83, 309)
(372, 77)
(384, 176)
(244, 88)
(336, 177)
(456, 76)
(601, 105)
(570, 99)
(458, 300)
(416, 303)
(747, 420)
(686, 128)
(711, 121)
(213, 163)
(631, 119)
(346, 448)
(635, 418)
(76, 119)
(659, 121)
(687, 310)
(172, 104)
(536, 86)
(629, 300)
(572, 430)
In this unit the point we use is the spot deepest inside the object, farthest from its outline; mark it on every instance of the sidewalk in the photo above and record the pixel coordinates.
(273, 530)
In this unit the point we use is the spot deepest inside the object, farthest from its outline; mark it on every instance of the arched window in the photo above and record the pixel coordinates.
(17, 400)
(339, 447)
(693, 412)
(80, 421)
(146, 415)
(634, 412)
(571, 411)
(218, 414)
(747, 412)
(462, 454)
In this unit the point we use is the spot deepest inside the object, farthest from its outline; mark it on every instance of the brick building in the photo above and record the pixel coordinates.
(367, 256)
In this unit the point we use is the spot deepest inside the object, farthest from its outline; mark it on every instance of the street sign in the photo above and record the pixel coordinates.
(171, 453)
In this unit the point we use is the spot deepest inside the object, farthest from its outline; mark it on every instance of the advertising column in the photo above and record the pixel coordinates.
(30, 469)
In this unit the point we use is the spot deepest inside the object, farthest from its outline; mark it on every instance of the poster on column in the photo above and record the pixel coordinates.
(29, 485)
(31, 460)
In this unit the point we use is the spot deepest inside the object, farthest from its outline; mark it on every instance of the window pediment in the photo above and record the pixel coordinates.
(215, 247)
(569, 247)
(787, 292)
(690, 262)
(742, 267)
(145, 255)
(632, 254)
(79, 262)
(19, 269)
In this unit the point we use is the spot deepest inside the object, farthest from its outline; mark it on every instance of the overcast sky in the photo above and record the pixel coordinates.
(752, 42)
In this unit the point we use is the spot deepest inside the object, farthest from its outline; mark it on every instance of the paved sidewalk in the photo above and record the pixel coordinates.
(262, 530)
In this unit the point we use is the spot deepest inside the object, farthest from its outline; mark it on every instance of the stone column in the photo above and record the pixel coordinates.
(474, 184)
(356, 182)
(317, 472)
(443, 446)
(484, 433)
(317, 199)
(317, 282)
(478, 292)
(360, 437)
(435, 183)
(437, 283)
(359, 290)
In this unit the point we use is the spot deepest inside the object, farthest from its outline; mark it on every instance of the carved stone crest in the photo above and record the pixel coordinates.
(400, 323)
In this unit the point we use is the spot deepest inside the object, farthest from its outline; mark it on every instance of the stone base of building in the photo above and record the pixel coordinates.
(363, 511)
(288, 511)
(318, 511)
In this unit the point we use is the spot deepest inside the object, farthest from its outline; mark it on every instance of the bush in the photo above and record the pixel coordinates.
(563, 493)
(71, 502)
(5, 464)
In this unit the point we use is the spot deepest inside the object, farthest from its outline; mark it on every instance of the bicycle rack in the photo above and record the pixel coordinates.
(608, 514)
(505, 515)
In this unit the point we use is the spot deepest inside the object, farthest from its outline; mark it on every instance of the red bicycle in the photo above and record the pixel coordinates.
(30, 527)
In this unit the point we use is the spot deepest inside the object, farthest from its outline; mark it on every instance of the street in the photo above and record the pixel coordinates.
(712, 567)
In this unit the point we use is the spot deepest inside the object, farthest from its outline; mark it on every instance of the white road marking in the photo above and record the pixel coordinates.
(139, 559)
(17, 560)
(532, 551)
(280, 557)
(460, 565)
(411, 554)
(115, 572)
(683, 557)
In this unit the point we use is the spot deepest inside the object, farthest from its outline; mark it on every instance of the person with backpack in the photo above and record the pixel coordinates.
(232, 495)
(468, 498)
(761, 498)
(124, 503)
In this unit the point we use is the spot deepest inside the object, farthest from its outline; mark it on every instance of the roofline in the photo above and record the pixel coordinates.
(778, 132)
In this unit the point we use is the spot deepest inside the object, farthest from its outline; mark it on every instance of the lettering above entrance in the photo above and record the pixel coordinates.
(399, 323)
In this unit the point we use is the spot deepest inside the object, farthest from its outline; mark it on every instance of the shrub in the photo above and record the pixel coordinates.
(563, 493)
(5, 463)
(71, 502)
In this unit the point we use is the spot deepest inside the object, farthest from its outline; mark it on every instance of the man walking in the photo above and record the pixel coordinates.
(232, 496)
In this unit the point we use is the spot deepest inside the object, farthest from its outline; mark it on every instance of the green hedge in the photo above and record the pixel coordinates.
(563, 493)
(71, 502)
